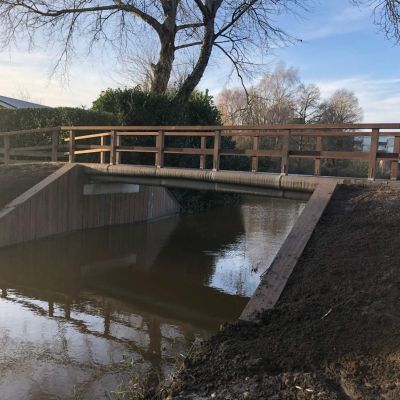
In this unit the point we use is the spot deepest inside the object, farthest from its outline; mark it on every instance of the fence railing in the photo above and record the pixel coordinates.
(108, 143)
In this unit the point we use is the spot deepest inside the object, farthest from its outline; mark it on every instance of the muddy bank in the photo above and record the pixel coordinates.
(16, 179)
(335, 332)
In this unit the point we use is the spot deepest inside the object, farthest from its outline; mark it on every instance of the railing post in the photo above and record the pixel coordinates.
(71, 146)
(317, 165)
(285, 154)
(254, 159)
(54, 145)
(7, 149)
(203, 156)
(394, 167)
(160, 140)
(113, 148)
(102, 153)
(118, 154)
(372, 154)
(217, 150)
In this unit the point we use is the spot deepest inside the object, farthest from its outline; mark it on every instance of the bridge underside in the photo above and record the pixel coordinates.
(264, 184)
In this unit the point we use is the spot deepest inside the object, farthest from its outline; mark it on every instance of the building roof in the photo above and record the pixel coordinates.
(8, 102)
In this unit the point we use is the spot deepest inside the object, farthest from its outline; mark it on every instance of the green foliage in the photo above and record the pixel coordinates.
(137, 107)
(32, 118)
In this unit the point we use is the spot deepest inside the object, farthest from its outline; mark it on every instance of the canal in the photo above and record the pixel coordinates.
(81, 313)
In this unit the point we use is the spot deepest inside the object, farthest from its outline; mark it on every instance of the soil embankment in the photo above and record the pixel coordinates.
(335, 332)
(17, 179)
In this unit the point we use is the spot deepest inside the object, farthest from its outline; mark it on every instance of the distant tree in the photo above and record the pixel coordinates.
(342, 107)
(308, 103)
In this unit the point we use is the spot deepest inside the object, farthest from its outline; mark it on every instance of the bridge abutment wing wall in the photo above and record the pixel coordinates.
(58, 205)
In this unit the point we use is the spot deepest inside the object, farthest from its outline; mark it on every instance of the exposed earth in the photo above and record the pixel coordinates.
(18, 178)
(335, 332)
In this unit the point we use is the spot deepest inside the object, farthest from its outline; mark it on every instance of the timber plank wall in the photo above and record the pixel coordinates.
(57, 205)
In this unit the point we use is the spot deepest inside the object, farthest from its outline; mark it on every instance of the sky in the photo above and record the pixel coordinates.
(340, 48)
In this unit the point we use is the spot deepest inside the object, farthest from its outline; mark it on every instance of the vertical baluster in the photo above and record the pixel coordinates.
(118, 153)
(7, 149)
(394, 167)
(113, 148)
(372, 154)
(54, 145)
(203, 149)
(102, 154)
(160, 149)
(71, 146)
(217, 150)
(317, 165)
(254, 160)
(285, 154)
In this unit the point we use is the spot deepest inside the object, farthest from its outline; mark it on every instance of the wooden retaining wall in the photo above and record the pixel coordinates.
(57, 205)
(274, 280)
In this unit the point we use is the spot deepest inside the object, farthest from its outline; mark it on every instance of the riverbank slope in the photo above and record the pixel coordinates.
(16, 179)
(335, 332)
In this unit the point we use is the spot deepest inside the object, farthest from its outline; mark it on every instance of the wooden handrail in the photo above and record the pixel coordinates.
(113, 141)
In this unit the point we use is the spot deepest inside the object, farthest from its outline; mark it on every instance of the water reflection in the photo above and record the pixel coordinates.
(71, 307)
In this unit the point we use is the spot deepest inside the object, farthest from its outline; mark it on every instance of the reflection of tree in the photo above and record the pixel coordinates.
(267, 222)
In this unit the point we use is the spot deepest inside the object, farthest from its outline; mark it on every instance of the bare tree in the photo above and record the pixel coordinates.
(387, 16)
(308, 103)
(342, 107)
(233, 27)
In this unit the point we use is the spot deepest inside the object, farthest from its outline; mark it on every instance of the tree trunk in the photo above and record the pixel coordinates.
(194, 78)
(162, 70)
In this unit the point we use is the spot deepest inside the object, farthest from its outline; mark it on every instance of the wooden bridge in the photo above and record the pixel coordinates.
(116, 154)
(111, 144)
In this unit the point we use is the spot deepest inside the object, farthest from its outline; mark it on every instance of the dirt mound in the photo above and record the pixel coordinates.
(335, 332)
(17, 179)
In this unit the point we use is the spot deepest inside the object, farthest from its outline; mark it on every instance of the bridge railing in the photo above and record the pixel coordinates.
(106, 144)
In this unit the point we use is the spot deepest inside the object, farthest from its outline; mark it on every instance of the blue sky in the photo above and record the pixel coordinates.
(341, 48)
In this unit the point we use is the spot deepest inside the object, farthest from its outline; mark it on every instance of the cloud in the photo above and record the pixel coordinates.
(379, 98)
(30, 74)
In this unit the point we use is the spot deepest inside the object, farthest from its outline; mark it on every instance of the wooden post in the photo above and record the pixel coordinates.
(372, 154)
(394, 167)
(254, 159)
(118, 154)
(7, 149)
(160, 149)
(203, 156)
(71, 146)
(285, 154)
(54, 146)
(217, 149)
(113, 149)
(317, 165)
(102, 154)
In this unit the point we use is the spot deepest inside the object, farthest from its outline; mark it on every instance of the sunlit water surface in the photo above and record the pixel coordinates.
(81, 313)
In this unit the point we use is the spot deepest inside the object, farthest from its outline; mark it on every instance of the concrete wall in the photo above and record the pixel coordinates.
(57, 205)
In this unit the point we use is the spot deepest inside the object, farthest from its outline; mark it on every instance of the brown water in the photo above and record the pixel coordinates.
(83, 312)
